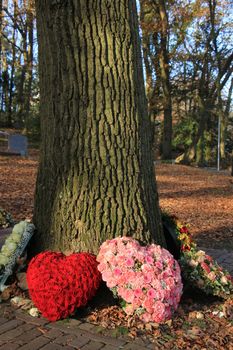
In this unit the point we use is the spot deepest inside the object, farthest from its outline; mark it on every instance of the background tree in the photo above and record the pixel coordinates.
(96, 175)
(155, 28)
(208, 54)
(18, 84)
(199, 52)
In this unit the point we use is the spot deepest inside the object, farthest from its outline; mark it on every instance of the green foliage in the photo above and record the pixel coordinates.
(183, 133)
(33, 127)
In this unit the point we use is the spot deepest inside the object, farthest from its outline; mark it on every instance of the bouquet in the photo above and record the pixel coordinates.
(11, 244)
(13, 248)
(147, 279)
(199, 269)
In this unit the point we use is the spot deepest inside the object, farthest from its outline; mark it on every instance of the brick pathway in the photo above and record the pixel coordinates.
(21, 331)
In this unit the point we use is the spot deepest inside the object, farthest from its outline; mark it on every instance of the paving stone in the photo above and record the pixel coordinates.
(110, 347)
(27, 336)
(39, 321)
(151, 346)
(68, 327)
(93, 346)
(9, 346)
(10, 325)
(87, 326)
(79, 342)
(3, 320)
(133, 346)
(73, 322)
(53, 333)
(64, 339)
(154, 347)
(36, 343)
(107, 340)
(82, 333)
(13, 333)
(53, 346)
(68, 323)
(141, 342)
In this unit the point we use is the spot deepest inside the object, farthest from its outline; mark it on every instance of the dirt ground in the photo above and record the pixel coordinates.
(199, 197)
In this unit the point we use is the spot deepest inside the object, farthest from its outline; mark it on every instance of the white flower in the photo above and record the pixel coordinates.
(224, 280)
(200, 252)
(193, 263)
(8, 240)
(15, 237)
(3, 259)
(20, 227)
(5, 251)
(34, 312)
(11, 246)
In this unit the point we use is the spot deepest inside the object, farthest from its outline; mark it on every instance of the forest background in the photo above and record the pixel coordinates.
(187, 50)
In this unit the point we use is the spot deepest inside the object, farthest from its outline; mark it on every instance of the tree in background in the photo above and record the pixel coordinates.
(198, 52)
(155, 29)
(208, 51)
(96, 175)
(163, 29)
(18, 85)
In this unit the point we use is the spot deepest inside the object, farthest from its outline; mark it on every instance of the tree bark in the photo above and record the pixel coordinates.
(30, 59)
(165, 80)
(96, 176)
(1, 94)
(12, 74)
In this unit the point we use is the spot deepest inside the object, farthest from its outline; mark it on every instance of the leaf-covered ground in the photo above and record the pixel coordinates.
(201, 198)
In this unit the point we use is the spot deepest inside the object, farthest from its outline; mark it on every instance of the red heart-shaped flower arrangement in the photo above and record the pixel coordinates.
(59, 284)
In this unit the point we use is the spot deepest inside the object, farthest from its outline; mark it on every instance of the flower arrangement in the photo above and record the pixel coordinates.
(59, 284)
(13, 247)
(198, 268)
(147, 279)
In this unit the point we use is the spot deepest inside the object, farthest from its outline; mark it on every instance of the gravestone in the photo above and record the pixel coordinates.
(18, 144)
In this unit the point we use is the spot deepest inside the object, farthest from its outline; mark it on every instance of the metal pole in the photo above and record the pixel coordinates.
(219, 130)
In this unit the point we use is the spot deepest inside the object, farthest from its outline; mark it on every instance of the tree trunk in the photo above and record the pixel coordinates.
(165, 79)
(30, 58)
(21, 85)
(232, 164)
(1, 92)
(12, 74)
(96, 176)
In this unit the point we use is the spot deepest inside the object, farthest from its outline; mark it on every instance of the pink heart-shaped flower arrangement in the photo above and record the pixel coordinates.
(59, 284)
(148, 279)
